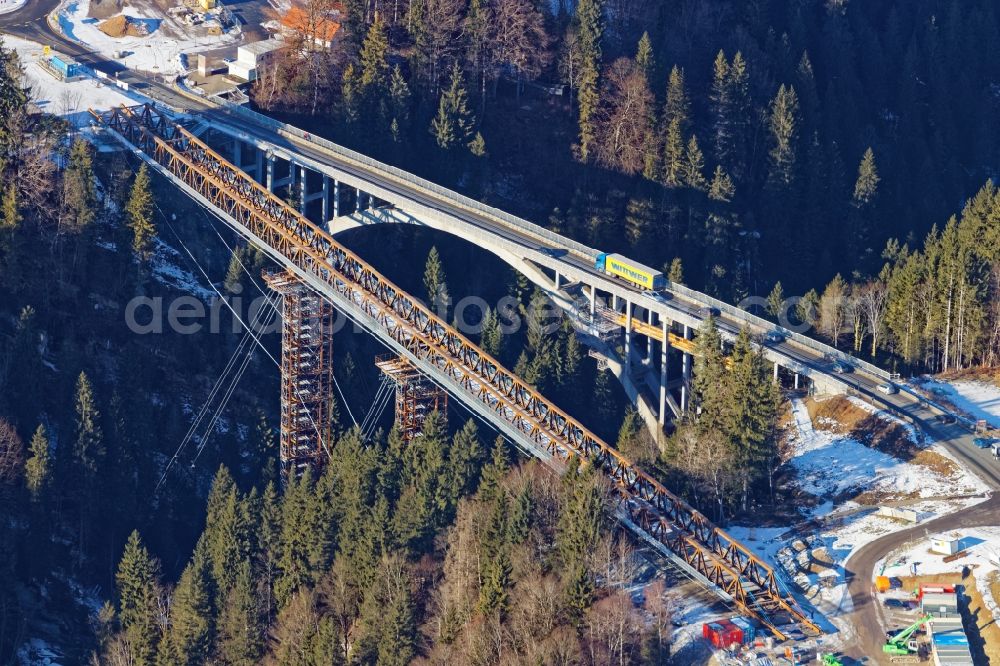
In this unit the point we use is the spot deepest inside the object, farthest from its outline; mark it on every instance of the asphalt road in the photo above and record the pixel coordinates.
(865, 617)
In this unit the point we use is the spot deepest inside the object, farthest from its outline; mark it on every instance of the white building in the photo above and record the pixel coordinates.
(250, 57)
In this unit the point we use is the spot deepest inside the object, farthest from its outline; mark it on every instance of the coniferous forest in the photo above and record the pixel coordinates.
(841, 152)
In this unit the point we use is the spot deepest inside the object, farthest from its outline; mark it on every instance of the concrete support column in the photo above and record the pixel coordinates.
(776, 372)
(664, 350)
(686, 372)
(336, 198)
(557, 281)
(593, 302)
(270, 173)
(614, 302)
(302, 190)
(357, 201)
(628, 336)
(796, 381)
(649, 340)
(238, 153)
(326, 199)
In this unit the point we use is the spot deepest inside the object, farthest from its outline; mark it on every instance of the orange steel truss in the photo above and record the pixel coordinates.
(643, 503)
(416, 395)
(306, 374)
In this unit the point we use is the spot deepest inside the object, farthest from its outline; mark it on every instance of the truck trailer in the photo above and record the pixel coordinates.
(632, 272)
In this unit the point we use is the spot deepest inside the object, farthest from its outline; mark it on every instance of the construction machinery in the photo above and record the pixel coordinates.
(900, 645)
(831, 660)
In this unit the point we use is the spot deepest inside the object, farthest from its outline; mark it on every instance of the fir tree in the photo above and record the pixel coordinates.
(491, 338)
(491, 484)
(677, 106)
(721, 103)
(88, 450)
(722, 188)
(350, 95)
(241, 633)
(374, 62)
(478, 145)
(399, 100)
(137, 581)
(38, 468)
(784, 127)
(10, 209)
(454, 122)
(644, 55)
(776, 301)
(590, 29)
(673, 154)
(867, 182)
(435, 284)
(676, 271)
(139, 211)
(692, 169)
(192, 626)
(79, 191)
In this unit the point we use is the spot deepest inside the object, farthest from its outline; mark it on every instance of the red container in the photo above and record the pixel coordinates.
(722, 633)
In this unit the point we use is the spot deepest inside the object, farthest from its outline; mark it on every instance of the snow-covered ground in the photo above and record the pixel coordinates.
(69, 100)
(829, 465)
(8, 6)
(978, 399)
(163, 51)
(983, 558)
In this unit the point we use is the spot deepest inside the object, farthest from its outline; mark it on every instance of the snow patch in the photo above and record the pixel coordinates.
(160, 52)
(979, 399)
(8, 6)
(70, 100)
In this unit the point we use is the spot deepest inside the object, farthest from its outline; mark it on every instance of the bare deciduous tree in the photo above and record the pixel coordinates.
(873, 299)
(11, 455)
(624, 118)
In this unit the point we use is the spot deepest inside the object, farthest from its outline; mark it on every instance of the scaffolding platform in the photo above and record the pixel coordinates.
(416, 395)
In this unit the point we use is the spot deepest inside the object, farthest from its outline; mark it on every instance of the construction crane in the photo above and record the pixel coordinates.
(899, 644)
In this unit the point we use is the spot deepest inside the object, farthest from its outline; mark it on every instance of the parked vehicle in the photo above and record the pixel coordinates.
(840, 367)
(774, 337)
(982, 442)
(630, 271)
(887, 388)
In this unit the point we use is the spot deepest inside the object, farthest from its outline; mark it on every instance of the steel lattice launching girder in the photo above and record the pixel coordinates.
(645, 505)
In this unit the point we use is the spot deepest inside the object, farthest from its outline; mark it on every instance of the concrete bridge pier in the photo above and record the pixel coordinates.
(336, 198)
(686, 373)
(628, 335)
(664, 351)
(649, 340)
(250, 168)
(273, 183)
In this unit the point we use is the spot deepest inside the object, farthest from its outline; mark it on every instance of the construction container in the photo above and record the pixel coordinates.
(747, 628)
(932, 588)
(64, 66)
(882, 584)
(944, 544)
(722, 633)
(939, 604)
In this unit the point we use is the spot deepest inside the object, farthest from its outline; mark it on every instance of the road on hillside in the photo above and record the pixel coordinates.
(31, 22)
(865, 617)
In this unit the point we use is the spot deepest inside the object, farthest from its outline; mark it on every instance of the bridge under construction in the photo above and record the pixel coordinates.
(318, 263)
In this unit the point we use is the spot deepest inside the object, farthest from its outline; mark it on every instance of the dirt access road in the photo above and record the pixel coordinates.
(865, 617)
